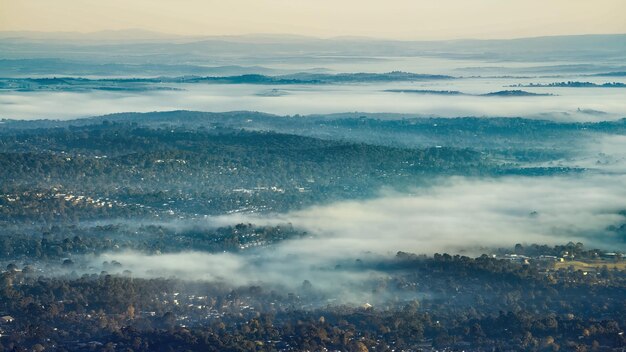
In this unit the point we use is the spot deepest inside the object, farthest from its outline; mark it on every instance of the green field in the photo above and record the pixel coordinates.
(579, 265)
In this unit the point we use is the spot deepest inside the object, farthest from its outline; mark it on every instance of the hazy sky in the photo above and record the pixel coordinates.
(403, 19)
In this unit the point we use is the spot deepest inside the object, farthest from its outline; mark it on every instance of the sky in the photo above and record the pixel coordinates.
(394, 19)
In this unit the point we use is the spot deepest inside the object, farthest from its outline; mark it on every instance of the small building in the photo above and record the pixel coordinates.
(6, 319)
(550, 258)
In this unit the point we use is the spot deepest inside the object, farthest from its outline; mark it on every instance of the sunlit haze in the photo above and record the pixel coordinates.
(398, 19)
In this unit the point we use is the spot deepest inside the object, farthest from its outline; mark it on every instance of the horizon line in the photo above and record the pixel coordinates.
(156, 35)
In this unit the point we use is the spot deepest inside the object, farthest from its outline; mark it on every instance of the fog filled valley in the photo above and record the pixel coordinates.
(278, 193)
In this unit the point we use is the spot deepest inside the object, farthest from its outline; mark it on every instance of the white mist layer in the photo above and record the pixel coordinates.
(459, 215)
(595, 104)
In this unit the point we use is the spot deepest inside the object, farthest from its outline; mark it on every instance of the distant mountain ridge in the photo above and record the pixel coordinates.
(142, 43)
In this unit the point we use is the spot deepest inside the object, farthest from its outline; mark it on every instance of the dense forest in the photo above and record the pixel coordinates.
(79, 199)
(458, 302)
(119, 169)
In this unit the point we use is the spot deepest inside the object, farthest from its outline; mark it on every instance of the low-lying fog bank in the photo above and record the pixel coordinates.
(566, 104)
(460, 215)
